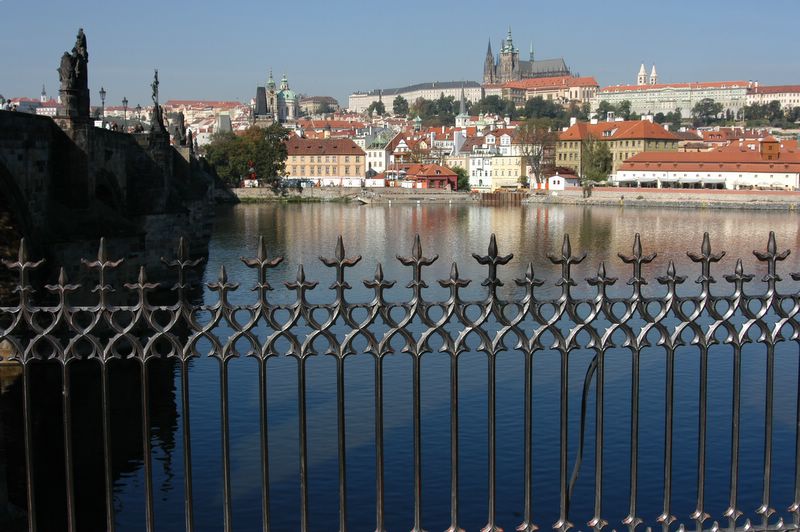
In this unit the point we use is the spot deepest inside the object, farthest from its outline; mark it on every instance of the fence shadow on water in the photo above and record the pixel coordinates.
(653, 406)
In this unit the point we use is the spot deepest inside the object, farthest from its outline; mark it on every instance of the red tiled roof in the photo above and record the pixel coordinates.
(733, 158)
(334, 124)
(299, 146)
(692, 85)
(775, 89)
(551, 83)
(423, 171)
(202, 103)
(628, 129)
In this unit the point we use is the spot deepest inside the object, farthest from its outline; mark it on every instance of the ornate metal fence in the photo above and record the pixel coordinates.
(37, 331)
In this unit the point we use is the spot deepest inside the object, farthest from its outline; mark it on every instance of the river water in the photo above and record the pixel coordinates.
(302, 232)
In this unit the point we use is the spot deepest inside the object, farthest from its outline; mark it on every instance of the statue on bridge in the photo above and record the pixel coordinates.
(157, 124)
(72, 72)
(74, 77)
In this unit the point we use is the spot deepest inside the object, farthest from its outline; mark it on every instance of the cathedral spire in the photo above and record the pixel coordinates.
(531, 51)
(462, 108)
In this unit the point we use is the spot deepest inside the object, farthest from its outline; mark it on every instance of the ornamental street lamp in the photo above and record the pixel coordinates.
(103, 104)
(124, 114)
(139, 114)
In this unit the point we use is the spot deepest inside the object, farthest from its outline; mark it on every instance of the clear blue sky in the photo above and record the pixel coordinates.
(223, 49)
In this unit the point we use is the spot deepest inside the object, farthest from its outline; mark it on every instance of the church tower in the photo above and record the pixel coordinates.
(641, 79)
(463, 117)
(272, 97)
(653, 76)
(509, 68)
(488, 66)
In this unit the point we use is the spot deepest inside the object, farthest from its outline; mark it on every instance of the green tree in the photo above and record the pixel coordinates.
(775, 111)
(493, 105)
(377, 108)
(604, 108)
(439, 112)
(324, 108)
(596, 161)
(624, 110)
(538, 107)
(706, 112)
(400, 106)
(264, 150)
(674, 118)
(463, 178)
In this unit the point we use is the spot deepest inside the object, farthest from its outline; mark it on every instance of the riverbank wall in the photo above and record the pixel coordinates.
(603, 196)
(673, 198)
(341, 194)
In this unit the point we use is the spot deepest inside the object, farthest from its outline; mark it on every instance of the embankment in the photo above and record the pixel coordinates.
(377, 195)
(674, 198)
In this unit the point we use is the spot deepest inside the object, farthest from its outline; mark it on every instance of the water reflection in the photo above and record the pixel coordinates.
(301, 233)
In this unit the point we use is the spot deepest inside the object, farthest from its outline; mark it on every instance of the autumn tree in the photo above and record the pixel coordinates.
(537, 142)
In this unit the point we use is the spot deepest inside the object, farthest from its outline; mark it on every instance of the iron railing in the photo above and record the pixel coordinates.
(37, 331)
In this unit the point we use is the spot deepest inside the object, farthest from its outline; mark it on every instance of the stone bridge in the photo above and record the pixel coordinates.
(66, 182)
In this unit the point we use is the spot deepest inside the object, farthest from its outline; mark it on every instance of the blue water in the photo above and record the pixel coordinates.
(300, 233)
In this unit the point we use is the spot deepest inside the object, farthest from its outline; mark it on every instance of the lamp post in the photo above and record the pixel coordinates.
(103, 104)
(124, 114)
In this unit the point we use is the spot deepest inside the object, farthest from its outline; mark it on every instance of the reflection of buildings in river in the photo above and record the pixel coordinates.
(379, 232)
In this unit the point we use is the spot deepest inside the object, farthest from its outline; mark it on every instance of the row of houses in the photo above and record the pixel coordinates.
(763, 163)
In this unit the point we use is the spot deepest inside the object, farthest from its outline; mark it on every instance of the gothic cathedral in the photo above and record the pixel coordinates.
(508, 67)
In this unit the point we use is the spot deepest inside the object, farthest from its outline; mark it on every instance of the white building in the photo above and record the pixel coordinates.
(788, 95)
(358, 102)
(747, 164)
(650, 97)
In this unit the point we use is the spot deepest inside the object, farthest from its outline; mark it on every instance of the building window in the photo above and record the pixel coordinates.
(346, 170)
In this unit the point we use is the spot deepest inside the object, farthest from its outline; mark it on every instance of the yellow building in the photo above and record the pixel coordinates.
(506, 171)
(327, 162)
(624, 139)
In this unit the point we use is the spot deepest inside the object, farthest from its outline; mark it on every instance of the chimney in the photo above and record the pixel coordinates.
(594, 121)
(573, 120)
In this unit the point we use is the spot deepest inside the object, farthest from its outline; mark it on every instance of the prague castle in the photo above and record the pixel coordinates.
(508, 66)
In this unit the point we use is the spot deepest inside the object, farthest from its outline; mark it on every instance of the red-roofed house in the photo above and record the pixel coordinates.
(420, 176)
(787, 95)
(327, 162)
(752, 164)
(561, 89)
(625, 139)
